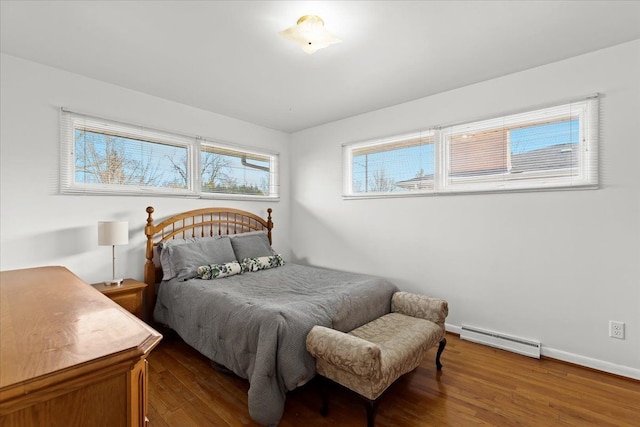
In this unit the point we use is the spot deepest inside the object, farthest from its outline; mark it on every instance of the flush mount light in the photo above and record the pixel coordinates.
(310, 34)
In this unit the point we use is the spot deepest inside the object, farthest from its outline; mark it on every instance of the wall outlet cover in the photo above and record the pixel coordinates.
(616, 329)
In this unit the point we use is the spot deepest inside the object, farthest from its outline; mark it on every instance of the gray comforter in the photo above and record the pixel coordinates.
(256, 323)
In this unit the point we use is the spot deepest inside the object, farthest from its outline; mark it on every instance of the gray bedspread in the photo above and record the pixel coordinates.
(256, 323)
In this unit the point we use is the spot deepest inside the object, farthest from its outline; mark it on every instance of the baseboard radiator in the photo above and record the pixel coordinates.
(518, 345)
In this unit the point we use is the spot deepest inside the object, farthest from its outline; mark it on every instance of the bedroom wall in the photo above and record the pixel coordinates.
(41, 227)
(554, 266)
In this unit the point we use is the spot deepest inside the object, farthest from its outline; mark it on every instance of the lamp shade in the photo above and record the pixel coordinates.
(113, 233)
(310, 34)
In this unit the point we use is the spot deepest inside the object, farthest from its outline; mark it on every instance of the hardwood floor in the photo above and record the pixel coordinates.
(478, 385)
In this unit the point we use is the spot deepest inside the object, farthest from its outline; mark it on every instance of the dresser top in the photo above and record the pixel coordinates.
(52, 321)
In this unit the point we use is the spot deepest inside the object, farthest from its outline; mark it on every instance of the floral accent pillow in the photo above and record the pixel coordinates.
(262, 263)
(218, 271)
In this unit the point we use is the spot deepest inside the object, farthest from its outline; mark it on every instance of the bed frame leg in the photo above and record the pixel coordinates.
(441, 347)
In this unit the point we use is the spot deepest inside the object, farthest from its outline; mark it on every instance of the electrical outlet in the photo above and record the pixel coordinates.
(616, 329)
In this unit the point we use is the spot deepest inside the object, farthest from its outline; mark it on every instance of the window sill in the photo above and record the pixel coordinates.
(469, 192)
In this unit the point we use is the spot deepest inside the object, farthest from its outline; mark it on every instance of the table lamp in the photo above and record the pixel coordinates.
(112, 233)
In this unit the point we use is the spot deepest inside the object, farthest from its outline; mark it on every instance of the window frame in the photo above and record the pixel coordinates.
(70, 121)
(348, 155)
(526, 180)
(274, 183)
(585, 111)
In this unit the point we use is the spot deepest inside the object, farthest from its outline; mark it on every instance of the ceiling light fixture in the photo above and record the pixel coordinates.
(310, 34)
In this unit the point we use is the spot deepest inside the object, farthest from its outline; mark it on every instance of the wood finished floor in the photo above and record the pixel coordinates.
(478, 385)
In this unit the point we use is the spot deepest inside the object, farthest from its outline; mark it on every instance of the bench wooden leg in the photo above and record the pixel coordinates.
(372, 408)
(323, 385)
(441, 347)
(370, 405)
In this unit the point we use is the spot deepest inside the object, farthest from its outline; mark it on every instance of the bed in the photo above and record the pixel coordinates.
(253, 321)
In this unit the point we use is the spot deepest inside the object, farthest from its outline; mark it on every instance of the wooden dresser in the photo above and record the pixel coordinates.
(69, 356)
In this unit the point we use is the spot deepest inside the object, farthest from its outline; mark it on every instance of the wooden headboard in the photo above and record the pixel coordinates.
(195, 223)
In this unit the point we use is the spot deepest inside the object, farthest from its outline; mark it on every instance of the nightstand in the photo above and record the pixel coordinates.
(129, 295)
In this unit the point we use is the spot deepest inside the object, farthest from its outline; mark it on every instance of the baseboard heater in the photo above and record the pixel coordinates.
(518, 345)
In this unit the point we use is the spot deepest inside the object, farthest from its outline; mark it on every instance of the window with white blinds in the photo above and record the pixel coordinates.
(106, 157)
(392, 165)
(554, 147)
(228, 170)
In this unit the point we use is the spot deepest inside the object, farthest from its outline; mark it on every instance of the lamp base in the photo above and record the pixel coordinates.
(114, 282)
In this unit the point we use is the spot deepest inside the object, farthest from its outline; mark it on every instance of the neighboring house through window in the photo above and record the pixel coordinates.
(553, 147)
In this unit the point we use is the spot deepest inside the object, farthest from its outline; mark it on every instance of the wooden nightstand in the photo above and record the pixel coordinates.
(129, 295)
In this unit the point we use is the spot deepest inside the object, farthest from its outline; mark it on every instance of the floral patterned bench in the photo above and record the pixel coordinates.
(370, 358)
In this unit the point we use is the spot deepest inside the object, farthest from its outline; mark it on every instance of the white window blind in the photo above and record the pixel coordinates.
(100, 156)
(554, 147)
(545, 148)
(391, 165)
(227, 170)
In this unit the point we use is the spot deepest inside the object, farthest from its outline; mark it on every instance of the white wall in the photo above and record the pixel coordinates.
(553, 266)
(41, 227)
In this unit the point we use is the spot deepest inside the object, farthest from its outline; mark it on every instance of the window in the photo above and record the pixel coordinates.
(226, 170)
(105, 157)
(393, 165)
(548, 148)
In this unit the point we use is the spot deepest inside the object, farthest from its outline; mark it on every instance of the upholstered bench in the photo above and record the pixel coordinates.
(370, 358)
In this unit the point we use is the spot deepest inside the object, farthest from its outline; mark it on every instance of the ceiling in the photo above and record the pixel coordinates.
(227, 57)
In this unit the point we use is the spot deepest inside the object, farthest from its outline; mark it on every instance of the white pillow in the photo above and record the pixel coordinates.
(262, 263)
(218, 271)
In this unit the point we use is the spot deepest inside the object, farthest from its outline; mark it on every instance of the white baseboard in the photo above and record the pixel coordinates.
(600, 365)
(453, 328)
